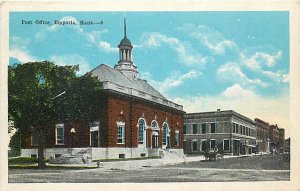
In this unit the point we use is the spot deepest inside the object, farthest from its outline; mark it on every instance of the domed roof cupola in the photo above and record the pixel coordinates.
(125, 41)
(125, 64)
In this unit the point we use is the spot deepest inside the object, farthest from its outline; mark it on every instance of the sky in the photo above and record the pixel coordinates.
(202, 60)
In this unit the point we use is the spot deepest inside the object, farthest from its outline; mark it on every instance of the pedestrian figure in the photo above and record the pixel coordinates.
(216, 149)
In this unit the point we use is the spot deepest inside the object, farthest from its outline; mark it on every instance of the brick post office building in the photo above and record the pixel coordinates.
(135, 119)
(231, 132)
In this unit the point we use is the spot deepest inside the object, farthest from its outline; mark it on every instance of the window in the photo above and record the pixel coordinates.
(165, 133)
(212, 143)
(34, 138)
(195, 146)
(204, 146)
(141, 130)
(244, 130)
(233, 128)
(241, 130)
(184, 129)
(226, 145)
(176, 137)
(212, 128)
(194, 128)
(120, 132)
(203, 128)
(59, 132)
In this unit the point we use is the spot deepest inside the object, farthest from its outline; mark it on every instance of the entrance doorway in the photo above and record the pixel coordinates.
(155, 139)
(236, 147)
(95, 139)
(94, 134)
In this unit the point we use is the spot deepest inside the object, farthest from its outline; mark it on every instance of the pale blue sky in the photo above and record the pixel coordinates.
(202, 60)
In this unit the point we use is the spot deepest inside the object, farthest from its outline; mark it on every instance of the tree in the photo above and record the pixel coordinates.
(41, 94)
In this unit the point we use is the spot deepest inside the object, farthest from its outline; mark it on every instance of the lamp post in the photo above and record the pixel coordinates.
(72, 131)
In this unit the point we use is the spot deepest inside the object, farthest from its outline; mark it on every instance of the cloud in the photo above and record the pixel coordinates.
(95, 36)
(232, 72)
(21, 56)
(260, 59)
(17, 42)
(175, 79)
(211, 39)
(236, 91)
(277, 76)
(186, 54)
(72, 59)
(275, 110)
(286, 78)
(106, 47)
(18, 49)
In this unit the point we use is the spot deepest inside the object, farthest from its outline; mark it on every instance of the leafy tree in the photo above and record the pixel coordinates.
(41, 94)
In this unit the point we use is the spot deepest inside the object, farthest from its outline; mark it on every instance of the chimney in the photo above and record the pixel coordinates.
(218, 110)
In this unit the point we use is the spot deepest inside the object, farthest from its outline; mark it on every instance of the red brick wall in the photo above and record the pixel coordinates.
(112, 107)
(80, 139)
(122, 106)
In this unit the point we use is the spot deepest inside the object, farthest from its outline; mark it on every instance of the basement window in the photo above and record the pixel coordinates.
(121, 156)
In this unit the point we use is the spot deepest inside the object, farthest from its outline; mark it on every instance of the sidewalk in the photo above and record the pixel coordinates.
(143, 164)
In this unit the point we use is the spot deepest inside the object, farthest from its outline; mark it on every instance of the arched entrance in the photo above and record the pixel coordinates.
(166, 135)
(155, 134)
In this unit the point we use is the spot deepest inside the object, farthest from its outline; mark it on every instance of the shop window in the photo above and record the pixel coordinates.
(212, 143)
(204, 145)
(226, 145)
(195, 146)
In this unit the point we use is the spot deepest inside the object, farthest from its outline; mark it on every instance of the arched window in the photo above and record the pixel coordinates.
(121, 130)
(141, 130)
(165, 133)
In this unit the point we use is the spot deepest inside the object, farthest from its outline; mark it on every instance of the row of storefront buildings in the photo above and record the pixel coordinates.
(231, 133)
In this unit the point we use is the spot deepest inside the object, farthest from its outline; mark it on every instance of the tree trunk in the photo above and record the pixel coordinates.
(41, 147)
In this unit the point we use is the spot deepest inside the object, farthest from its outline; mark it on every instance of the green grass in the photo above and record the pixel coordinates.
(126, 159)
(22, 160)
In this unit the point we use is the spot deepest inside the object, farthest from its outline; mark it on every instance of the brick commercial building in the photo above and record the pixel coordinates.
(135, 119)
(231, 132)
(262, 135)
(277, 137)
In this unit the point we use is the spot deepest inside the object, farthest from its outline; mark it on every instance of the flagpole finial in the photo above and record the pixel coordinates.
(124, 26)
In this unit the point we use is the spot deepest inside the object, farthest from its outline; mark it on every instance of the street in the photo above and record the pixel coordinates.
(256, 168)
